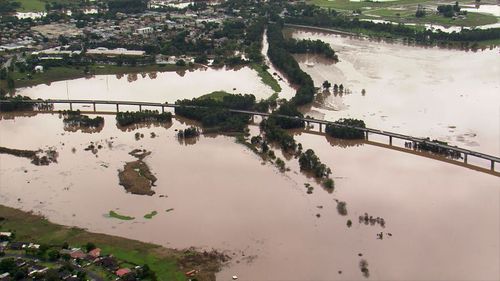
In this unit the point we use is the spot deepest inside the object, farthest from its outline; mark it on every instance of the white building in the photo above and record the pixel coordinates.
(114, 52)
(145, 30)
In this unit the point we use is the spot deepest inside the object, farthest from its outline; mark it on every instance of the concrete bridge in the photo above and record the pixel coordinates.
(464, 153)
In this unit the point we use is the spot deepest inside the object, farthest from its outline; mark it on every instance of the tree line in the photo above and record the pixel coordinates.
(128, 118)
(310, 46)
(321, 18)
(75, 118)
(282, 59)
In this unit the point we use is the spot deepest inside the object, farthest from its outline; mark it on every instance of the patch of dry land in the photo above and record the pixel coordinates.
(136, 176)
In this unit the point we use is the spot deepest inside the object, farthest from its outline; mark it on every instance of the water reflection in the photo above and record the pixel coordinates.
(143, 125)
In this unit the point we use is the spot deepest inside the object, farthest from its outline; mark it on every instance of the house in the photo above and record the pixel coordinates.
(17, 245)
(144, 30)
(78, 254)
(36, 269)
(4, 276)
(95, 253)
(122, 272)
(6, 234)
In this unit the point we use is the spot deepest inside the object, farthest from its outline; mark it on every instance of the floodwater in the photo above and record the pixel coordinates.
(485, 9)
(444, 219)
(451, 95)
(444, 225)
(155, 86)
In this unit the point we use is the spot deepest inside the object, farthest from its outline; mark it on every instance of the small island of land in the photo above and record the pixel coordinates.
(136, 176)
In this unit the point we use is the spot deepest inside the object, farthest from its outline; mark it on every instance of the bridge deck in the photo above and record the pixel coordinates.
(464, 151)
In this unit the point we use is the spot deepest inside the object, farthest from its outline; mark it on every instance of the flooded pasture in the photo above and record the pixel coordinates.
(443, 220)
(451, 95)
(155, 86)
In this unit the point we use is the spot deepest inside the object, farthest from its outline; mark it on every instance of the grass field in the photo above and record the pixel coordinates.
(115, 215)
(39, 5)
(216, 95)
(165, 262)
(266, 77)
(31, 5)
(404, 11)
(349, 5)
(408, 16)
(150, 215)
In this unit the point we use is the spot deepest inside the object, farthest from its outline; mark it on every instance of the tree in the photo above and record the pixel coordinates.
(3, 74)
(341, 88)
(7, 265)
(10, 83)
(53, 255)
(181, 63)
(329, 183)
(335, 88)
(90, 246)
(326, 85)
(420, 11)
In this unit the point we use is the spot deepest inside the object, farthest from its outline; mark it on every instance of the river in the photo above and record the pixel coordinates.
(443, 219)
(155, 86)
(451, 95)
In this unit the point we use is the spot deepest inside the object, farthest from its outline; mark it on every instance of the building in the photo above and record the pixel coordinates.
(95, 253)
(122, 272)
(114, 52)
(6, 234)
(145, 30)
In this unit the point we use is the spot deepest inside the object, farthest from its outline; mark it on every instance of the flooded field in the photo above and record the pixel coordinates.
(451, 95)
(443, 226)
(155, 86)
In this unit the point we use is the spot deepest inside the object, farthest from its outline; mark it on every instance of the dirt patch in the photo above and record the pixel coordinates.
(136, 176)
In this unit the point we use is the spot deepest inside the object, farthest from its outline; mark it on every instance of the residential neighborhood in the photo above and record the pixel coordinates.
(31, 261)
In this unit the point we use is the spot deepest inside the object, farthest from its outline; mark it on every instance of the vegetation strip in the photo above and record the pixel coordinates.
(150, 215)
(115, 215)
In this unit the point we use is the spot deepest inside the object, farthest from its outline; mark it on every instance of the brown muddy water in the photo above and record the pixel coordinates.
(155, 86)
(450, 95)
(444, 219)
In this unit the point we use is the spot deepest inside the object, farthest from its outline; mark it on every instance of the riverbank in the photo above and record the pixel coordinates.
(169, 264)
(386, 36)
(55, 74)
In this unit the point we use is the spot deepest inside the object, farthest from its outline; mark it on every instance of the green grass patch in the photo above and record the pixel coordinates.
(216, 95)
(266, 77)
(273, 97)
(115, 215)
(349, 5)
(31, 5)
(408, 16)
(150, 215)
(163, 261)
